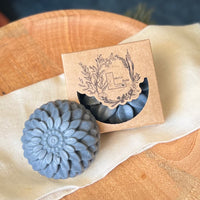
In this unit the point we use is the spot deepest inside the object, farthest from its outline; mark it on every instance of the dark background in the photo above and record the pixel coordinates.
(172, 12)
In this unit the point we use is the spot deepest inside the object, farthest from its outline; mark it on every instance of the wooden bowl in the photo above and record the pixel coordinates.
(31, 50)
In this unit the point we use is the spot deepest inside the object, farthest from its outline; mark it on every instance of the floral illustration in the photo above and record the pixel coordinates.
(60, 139)
(94, 79)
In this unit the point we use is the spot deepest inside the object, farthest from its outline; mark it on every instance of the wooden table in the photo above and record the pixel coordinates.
(30, 51)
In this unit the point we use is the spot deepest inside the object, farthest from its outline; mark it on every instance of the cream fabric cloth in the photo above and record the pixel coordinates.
(176, 52)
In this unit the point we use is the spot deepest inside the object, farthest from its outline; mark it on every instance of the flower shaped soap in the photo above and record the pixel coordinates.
(121, 113)
(60, 139)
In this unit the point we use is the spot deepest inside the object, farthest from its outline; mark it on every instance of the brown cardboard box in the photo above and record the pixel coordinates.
(112, 75)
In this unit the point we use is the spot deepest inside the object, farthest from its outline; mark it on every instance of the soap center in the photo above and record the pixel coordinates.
(53, 140)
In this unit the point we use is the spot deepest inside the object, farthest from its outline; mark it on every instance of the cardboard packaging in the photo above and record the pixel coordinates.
(113, 75)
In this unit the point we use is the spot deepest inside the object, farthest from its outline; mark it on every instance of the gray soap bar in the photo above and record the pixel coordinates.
(60, 139)
(138, 103)
(101, 112)
(90, 100)
(123, 114)
(145, 87)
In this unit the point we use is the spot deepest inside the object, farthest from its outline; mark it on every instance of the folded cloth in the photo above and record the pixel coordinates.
(177, 61)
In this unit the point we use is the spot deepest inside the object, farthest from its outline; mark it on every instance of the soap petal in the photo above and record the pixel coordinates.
(48, 158)
(37, 148)
(79, 134)
(75, 124)
(65, 163)
(69, 148)
(64, 107)
(37, 132)
(51, 170)
(36, 165)
(86, 155)
(104, 112)
(44, 116)
(36, 140)
(138, 103)
(69, 132)
(56, 159)
(76, 167)
(64, 171)
(89, 140)
(73, 105)
(74, 156)
(42, 154)
(70, 140)
(57, 123)
(77, 114)
(86, 125)
(79, 146)
(64, 126)
(49, 123)
(125, 113)
(66, 116)
(93, 148)
(64, 155)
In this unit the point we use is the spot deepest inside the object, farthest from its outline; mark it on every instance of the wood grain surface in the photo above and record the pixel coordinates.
(30, 51)
(31, 48)
(165, 172)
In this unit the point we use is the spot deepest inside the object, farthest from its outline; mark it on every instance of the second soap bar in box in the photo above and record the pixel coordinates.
(117, 84)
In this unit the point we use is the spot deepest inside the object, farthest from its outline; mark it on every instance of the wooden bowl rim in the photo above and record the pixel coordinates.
(81, 12)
